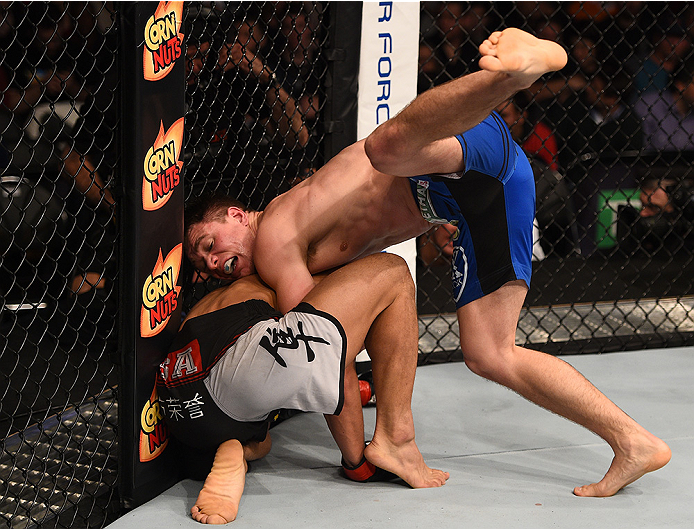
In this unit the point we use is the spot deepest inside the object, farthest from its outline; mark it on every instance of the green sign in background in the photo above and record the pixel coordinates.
(609, 201)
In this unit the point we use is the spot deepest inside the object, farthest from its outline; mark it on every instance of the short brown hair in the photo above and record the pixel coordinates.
(208, 208)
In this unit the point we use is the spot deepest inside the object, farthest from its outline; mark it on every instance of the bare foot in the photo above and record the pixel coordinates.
(647, 457)
(218, 501)
(406, 462)
(519, 54)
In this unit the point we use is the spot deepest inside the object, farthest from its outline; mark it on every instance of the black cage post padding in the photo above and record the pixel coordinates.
(152, 223)
(342, 84)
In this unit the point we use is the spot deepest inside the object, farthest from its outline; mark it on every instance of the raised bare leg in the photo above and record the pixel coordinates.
(487, 339)
(417, 140)
(218, 501)
(520, 55)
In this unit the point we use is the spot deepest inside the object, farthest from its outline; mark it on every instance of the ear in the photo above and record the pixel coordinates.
(238, 215)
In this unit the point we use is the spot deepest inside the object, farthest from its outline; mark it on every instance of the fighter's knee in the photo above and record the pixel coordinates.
(400, 268)
(383, 148)
(489, 364)
(476, 365)
(392, 268)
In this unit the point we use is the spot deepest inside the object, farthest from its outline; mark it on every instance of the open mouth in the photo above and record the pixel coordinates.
(230, 265)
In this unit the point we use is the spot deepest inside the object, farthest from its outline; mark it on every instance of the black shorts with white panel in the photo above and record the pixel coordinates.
(231, 370)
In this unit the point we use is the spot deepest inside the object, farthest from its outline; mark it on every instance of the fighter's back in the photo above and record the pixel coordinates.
(243, 289)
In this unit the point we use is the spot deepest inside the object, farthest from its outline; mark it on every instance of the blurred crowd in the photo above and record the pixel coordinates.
(613, 127)
(612, 130)
(253, 98)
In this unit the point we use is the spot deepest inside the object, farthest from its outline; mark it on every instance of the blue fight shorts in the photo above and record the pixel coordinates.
(492, 203)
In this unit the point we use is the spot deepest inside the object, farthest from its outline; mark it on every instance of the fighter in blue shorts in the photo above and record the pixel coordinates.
(370, 196)
(492, 205)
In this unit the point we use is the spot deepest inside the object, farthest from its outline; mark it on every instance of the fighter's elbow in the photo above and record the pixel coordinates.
(290, 298)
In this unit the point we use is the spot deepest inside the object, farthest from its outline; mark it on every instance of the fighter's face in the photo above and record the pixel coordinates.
(222, 249)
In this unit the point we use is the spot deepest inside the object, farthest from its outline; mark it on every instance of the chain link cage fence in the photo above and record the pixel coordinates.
(611, 148)
(58, 152)
(609, 138)
(248, 136)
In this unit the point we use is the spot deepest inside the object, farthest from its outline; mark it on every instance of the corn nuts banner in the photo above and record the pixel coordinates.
(153, 72)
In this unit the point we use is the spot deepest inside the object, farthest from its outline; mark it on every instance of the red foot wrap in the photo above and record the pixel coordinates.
(362, 472)
(365, 392)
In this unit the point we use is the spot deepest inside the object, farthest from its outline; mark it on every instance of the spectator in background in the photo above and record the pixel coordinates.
(667, 197)
(669, 46)
(296, 68)
(558, 92)
(665, 219)
(600, 138)
(586, 54)
(241, 57)
(295, 61)
(598, 124)
(687, 20)
(591, 12)
(54, 52)
(17, 33)
(668, 116)
(536, 138)
(44, 59)
(461, 29)
(240, 120)
(9, 96)
(531, 16)
(429, 66)
(551, 28)
(624, 30)
(89, 164)
(14, 80)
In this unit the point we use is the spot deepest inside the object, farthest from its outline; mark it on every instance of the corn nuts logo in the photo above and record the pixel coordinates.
(154, 436)
(163, 40)
(160, 293)
(162, 168)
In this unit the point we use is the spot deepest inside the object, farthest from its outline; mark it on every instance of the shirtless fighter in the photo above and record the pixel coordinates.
(372, 195)
(238, 360)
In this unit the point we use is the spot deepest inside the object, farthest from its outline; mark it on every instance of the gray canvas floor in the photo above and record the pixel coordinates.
(512, 464)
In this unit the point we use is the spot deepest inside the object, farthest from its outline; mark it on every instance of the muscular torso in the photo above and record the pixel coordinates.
(346, 211)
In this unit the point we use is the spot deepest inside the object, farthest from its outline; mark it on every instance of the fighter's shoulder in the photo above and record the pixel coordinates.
(253, 287)
(280, 238)
(280, 221)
